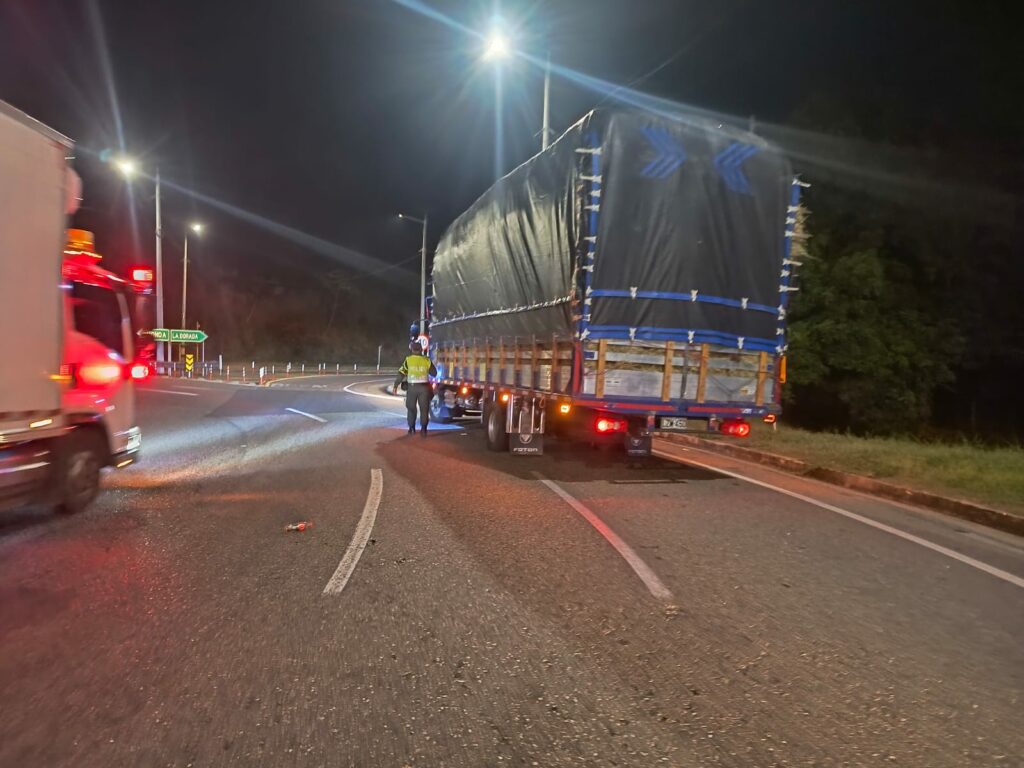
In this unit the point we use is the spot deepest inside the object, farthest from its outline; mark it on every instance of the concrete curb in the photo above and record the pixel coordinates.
(966, 510)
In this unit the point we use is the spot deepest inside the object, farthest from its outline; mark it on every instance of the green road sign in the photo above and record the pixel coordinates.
(179, 335)
(191, 336)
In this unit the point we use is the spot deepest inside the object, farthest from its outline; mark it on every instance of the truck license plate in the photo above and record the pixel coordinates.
(672, 423)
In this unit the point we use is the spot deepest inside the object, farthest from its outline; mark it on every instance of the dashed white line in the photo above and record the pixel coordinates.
(307, 415)
(989, 569)
(169, 392)
(355, 549)
(650, 579)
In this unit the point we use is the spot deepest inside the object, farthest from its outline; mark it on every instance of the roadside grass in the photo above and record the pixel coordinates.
(985, 475)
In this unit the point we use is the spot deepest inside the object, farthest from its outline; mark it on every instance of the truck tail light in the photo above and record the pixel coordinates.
(734, 427)
(564, 408)
(607, 424)
(140, 371)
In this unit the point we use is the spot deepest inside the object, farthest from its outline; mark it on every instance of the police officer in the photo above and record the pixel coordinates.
(416, 370)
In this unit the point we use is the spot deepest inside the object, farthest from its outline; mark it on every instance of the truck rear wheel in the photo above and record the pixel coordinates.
(439, 413)
(81, 458)
(494, 425)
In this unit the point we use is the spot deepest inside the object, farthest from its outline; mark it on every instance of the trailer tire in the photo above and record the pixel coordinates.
(80, 460)
(494, 427)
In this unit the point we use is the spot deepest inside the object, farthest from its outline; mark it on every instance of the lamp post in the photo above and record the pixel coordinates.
(197, 229)
(128, 168)
(497, 47)
(423, 270)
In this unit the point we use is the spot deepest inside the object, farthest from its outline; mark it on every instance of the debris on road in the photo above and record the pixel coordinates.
(298, 526)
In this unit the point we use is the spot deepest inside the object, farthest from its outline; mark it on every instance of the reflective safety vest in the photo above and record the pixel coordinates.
(416, 369)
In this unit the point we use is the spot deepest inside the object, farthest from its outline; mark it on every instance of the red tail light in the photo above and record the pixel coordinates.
(465, 390)
(735, 428)
(607, 424)
(98, 374)
(140, 371)
(142, 274)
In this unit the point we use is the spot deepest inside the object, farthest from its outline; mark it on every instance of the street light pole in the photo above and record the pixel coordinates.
(545, 130)
(423, 280)
(159, 272)
(423, 270)
(184, 283)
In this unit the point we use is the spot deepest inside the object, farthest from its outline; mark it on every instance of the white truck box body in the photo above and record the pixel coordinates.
(37, 190)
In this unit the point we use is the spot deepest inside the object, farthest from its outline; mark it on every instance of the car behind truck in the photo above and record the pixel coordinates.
(632, 278)
(66, 343)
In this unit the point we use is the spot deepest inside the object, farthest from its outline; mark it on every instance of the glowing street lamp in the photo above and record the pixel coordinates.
(128, 168)
(497, 47)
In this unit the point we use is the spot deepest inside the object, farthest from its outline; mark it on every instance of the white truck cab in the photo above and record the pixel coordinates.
(67, 358)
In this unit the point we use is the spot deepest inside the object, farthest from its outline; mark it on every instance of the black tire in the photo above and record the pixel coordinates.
(494, 427)
(81, 458)
(435, 409)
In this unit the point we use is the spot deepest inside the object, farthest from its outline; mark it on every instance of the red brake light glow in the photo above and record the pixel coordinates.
(465, 390)
(735, 427)
(99, 374)
(142, 274)
(140, 371)
(504, 397)
(606, 424)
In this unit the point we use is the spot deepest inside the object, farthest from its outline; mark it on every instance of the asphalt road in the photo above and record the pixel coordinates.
(536, 611)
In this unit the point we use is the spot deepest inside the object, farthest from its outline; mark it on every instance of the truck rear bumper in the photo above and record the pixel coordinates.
(25, 471)
(126, 447)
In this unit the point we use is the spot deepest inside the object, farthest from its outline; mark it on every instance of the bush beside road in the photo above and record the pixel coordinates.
(984, 475)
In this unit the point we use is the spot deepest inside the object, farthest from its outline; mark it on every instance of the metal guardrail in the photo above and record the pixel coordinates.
(256, 372)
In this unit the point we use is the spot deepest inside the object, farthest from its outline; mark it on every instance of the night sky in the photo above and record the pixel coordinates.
(329, 116)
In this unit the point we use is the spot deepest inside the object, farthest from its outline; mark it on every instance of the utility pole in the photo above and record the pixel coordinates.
(545, 130)
(160, 355)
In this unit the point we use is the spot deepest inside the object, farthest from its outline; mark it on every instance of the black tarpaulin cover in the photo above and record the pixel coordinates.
(631, 225)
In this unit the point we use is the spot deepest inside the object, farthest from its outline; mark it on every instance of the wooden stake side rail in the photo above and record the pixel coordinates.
(659, 371)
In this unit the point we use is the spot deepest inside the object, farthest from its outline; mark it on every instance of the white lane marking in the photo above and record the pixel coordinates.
(307, 415)
(168, 391)
(392, 398)
(355, 549)
(989, 569)
(647, 576)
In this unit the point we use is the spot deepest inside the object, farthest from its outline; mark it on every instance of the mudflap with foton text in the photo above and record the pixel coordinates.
(526, 445)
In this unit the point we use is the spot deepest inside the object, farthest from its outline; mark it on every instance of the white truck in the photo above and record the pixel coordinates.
(66, 343)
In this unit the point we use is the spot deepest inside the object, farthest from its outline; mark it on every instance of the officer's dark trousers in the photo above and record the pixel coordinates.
(418, 395)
